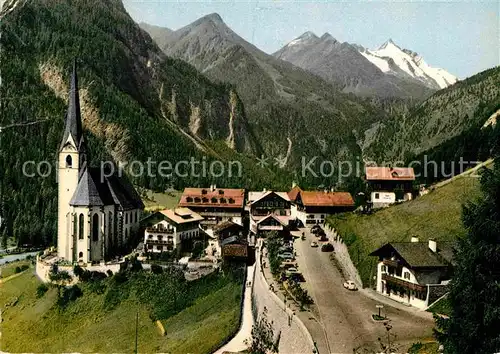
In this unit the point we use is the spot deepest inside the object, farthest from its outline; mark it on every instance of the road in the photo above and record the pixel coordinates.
(346, 315)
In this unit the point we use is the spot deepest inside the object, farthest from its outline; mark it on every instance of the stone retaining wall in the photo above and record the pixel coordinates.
(342, 255)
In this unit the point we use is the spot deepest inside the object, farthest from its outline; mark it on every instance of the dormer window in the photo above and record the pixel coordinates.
(223, 200)
(203, 191)
(205, 200)
(214, 200)
(197, 200)
(221, 192)
(231, 201)
(189, 199)
(69, 161)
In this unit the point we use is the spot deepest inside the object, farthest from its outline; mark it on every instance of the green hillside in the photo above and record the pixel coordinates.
(103, 318)
(435, 215)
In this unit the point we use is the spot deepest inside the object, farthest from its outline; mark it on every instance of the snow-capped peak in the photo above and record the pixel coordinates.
(392, 59)
(304, 38)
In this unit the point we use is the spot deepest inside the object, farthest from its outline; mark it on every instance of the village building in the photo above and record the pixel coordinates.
(170, 229)
(223, 231)
(215, 205)
(98, 212)
(269, 211)
(388, 185)
(415, 273)
(235, 249)
(312, 207)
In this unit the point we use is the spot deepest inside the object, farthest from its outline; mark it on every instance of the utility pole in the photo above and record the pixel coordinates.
(136, 329)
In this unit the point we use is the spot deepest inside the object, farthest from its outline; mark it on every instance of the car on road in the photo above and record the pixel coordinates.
(349, 285)
(327, 247)
(315, 228)
(291, 270)
(314, 244)
(285, 249)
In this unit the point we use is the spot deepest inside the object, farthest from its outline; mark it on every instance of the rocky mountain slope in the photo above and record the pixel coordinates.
(293, 113)
(386, 72)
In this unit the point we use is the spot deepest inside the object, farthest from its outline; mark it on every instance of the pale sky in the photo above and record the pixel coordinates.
(461, 37)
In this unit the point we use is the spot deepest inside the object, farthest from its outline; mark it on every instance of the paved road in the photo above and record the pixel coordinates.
(346, 315)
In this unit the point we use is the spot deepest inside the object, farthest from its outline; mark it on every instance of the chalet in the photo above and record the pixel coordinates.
(215, 205)
(228, 229)
(169, 229)
(312, 207)
(415, 273)
(269, 211)
(235, 249)
(389, 185)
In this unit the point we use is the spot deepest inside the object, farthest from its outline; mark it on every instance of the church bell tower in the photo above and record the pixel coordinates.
(71, 157)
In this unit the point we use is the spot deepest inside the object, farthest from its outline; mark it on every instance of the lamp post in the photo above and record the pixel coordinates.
(379, 308)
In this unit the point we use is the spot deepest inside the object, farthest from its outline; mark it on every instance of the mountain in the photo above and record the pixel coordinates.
(453, 117)
(361, 71)
(137, 105)
(393, 60)
(294, 114)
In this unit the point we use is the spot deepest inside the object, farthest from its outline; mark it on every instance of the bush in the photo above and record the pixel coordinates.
(41, 290)
(109, 272)
(156, 269)
(17, 270)
(69, 294)
(24, 267)
(327, 247)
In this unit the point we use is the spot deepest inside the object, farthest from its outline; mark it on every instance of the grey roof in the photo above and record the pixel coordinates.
(73, 125)
(98, 189)
(418, 254)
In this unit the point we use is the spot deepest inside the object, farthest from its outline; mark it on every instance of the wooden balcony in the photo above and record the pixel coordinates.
(391, 263)
(160, 242)
(159, 231)
(406, 284)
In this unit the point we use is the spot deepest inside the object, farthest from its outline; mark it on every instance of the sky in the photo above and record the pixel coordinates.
(461, 37)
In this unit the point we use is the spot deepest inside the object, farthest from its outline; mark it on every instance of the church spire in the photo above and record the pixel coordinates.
(73, 125)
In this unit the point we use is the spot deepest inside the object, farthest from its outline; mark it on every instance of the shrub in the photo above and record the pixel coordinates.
(69, 294)
(24, 267)
(17, 270)
(156, 269)
(41, 290)
(109, 272)
(327, 247)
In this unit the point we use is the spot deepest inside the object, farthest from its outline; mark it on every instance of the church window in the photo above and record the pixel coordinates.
(80, 255)
(80, 226)
(75, 225)
(126, 218)
(95, 227)
(110, 223)
(69, 161)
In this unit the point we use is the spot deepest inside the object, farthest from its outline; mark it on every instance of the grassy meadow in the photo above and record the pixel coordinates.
(89, 324)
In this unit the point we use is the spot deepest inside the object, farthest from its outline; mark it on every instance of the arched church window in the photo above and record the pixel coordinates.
(80, 226)
(75, 225)
(80, 255)
(126, 218)
(95, 227)
(69, 161)
(110, 223)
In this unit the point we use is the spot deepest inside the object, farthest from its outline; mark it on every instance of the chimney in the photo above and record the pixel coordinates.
(332, 189)
(326, 191)
(432, 245)
(212, 187)
(294, 184)
(414, 239)
(264, 190)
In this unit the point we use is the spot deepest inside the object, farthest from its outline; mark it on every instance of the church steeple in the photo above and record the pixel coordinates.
(73, 127)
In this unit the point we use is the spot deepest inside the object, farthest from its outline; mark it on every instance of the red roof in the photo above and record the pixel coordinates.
(217, 198)
(319, 198)
(294, 192)
(389, 174)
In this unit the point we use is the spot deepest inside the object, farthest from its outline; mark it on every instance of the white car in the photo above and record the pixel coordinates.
(349, 285)
(314, 244)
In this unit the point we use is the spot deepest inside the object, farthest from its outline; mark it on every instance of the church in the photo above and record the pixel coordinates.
(97, 213)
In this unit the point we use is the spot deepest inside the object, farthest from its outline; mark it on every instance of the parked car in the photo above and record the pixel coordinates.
(297, 277)
(349, 285)
(285, 249)
(314, 244)
(327, 247)
(291, 270)
(315, 228)
(323, 238)
(286, 255)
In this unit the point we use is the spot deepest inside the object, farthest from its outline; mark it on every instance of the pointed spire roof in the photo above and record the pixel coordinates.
(86, 193)
(73, 125)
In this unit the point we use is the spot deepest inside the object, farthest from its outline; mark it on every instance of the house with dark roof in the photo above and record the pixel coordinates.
(414, 273)
(216, 205)
(389, 185)
(312, 207)
(98, 211)
(269, 211)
